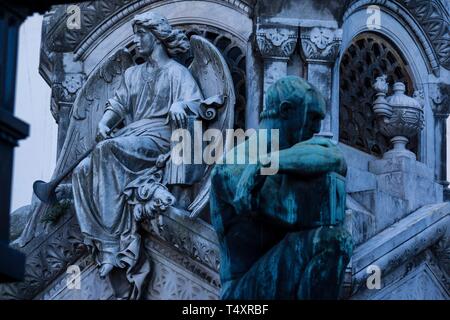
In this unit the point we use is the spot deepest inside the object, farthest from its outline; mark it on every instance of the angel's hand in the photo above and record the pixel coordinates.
(103, 132)
(178, 114)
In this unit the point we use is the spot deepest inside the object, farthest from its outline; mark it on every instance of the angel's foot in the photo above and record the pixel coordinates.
(105, 269)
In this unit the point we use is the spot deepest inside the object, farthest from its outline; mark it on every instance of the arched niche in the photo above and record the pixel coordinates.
(410, 46)
(368, 56)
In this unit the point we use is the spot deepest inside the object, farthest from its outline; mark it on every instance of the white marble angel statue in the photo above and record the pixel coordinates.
(149, 100)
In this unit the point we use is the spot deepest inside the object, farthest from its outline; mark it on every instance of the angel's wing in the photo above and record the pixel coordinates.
(211, 72)
(87, 111)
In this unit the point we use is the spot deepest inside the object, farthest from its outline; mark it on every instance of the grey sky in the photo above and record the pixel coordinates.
(36, 156)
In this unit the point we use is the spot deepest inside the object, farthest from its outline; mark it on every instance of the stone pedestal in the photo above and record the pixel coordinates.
(403, 186)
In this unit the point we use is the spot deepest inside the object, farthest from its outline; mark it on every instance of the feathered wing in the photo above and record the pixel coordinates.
(211, 72)
(87, 111)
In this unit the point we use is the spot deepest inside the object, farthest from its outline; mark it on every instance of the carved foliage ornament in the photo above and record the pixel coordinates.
(435, 21)
(276, 42)
(320, 43)
(64, 92)
(95, 13)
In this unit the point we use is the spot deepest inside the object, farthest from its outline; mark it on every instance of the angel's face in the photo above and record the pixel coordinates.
(145, 41)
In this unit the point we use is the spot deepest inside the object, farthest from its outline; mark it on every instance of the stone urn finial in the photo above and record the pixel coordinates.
(400, 117)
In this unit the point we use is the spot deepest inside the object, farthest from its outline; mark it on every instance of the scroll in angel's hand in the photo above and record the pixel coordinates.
(177, 113)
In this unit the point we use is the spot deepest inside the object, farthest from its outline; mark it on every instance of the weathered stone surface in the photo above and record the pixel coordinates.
(360, 222)
(380, 194)
(402, 241)
(360, 180)
(403, 186)
(419, 278)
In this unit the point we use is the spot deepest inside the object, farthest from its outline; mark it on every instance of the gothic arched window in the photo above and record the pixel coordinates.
(367, 57)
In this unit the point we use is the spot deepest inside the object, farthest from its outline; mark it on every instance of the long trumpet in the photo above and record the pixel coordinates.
(45, 191)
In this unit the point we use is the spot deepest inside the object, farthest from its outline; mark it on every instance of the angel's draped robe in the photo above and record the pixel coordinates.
(143, 101)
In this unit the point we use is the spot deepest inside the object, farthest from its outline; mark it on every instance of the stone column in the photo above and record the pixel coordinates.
(254, 86)
(440, 103)
(276, 44)
(320, 48)
(67, 79)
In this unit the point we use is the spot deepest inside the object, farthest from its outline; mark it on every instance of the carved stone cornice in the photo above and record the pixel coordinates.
(320, 44)
(276, 42)
(435, 21)
(95, 14)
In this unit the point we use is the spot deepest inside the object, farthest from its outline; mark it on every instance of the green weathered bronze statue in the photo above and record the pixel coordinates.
(281, 235)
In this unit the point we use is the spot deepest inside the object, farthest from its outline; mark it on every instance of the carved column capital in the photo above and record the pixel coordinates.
(64, 92)
(276, 42)
(320, 44)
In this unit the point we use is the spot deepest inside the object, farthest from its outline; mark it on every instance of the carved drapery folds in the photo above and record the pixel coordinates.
(368, 57)
(276, 44)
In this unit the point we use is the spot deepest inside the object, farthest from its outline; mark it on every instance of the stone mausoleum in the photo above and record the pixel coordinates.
(397, 208)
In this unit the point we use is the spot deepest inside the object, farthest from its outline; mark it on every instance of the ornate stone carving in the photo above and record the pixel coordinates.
(185, 260)
(440, 99)
(400, 117)
(367, 57)
(138, 190)
(191, 243)
(435, 21)
(442, 252)
(102, 14)
(428, 21)
(47, 260)
(64, 93)
(320, 44)
(176, 278)
(276, 42)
